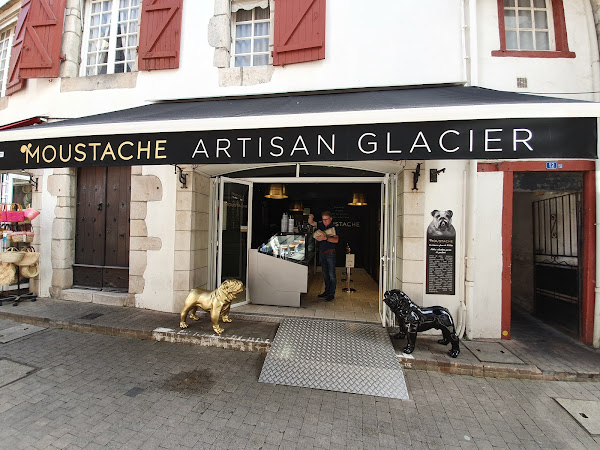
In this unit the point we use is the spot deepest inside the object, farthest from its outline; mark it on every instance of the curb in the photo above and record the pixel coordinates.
(258, 345)
(527, 372)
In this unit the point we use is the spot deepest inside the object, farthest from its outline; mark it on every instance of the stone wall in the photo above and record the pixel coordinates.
(191, 235)
(410, 244)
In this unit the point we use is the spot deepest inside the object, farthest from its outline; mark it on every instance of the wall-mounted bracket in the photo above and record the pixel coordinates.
(182, 176)
(433, 174)
(416, 175)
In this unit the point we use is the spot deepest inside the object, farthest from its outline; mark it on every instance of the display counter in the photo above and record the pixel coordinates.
(278, 271)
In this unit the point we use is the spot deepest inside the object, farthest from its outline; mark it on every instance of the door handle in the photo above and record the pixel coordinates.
(100, 206)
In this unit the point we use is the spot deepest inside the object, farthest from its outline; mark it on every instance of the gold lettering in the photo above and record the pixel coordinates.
(159, 148)
(48, 160)
(94, 145)
(143, 149)
(60, 153)
(80, 152)
(108, 151)
(121, 154)
(28, 153)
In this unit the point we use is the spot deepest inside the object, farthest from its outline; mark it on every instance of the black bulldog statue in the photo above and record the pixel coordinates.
(413, 318)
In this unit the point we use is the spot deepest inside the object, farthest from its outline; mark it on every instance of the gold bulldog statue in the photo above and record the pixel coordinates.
(216, 302)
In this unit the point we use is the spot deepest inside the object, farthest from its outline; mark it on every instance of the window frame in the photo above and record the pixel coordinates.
(112, 41)
(561, 44)
(4, 81)
(252, 53)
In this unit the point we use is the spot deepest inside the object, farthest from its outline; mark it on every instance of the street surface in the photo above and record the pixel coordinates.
(93, 391)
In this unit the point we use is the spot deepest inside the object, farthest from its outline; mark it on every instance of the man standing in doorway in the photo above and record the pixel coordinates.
(327, 241)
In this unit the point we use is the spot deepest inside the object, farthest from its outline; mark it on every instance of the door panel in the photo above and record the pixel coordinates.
(118, 183)
(234, 231)
(91, 223)
(387, 278)
(102, 228)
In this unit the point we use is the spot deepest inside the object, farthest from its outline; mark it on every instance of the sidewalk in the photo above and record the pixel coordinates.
(536, 351)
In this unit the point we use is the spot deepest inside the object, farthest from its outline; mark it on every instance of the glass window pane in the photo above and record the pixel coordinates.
(525, 19)
(102, 70)
(94, 33)
(242, 61)
(119, 68)
(261, 45)
(123, 3)
(96, 7)
(261, 29)
(134, 14)
(539, 3)
(242, 15)
(242, 31)
(119, 55)
(123, 15)
(132, 40)
(541, 20)
(511, 40)
(542, 41)
(242, 47)
(133, 27)
(131, 54)
(510, 19)
(104, 31)
(261, 60)
(105, 18)
(509, 3)
(107, 6)
(92, 46)
(526, 3)
(91, 59)
(526, 40)
(90, 71)
(261, 13)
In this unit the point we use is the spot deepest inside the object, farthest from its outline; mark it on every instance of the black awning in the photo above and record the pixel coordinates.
(328, 102)
(448, 122)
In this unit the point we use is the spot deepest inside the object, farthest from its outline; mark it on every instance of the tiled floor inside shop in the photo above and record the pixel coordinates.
(361, 305)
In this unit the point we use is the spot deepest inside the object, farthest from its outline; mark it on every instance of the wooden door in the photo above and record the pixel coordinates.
(102, 229)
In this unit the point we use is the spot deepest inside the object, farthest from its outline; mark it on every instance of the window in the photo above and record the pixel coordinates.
(111, 33)
(251, 37)
(532, 28)
(527, 26)
(6, 36)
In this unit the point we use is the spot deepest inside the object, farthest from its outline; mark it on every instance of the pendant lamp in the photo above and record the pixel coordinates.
(297, 206)
(358, 199)
(277, 191)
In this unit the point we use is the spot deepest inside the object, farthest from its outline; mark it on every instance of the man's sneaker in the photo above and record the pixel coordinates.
(323, 295)
(329, 298)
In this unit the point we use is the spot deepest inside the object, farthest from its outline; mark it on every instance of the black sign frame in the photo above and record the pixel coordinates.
(534, 138)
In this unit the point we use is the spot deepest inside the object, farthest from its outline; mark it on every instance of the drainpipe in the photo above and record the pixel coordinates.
(471, 188)
(596, 339)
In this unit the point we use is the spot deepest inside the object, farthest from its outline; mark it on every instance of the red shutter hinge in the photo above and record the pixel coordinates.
(63, 58)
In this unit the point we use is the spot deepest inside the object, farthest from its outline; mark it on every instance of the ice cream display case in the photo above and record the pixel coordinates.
(278, 270)
(299, 248)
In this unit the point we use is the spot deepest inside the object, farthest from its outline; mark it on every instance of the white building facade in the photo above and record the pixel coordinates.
(166, 60)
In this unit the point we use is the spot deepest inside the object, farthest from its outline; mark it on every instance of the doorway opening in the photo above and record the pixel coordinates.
(547, 263)
(250, 217)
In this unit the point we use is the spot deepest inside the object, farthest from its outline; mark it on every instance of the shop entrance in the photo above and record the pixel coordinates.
(250, 215)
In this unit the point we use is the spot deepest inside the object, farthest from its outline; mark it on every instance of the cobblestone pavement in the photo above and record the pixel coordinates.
(95, 391)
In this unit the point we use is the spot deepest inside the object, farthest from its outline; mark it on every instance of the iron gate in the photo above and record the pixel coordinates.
(557, 249)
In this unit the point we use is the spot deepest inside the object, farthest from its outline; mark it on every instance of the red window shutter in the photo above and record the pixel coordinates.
(15, 82)
(160, 34)
(299, 31)
(40, 53)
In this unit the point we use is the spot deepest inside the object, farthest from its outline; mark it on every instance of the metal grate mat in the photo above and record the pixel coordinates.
(335, 356)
